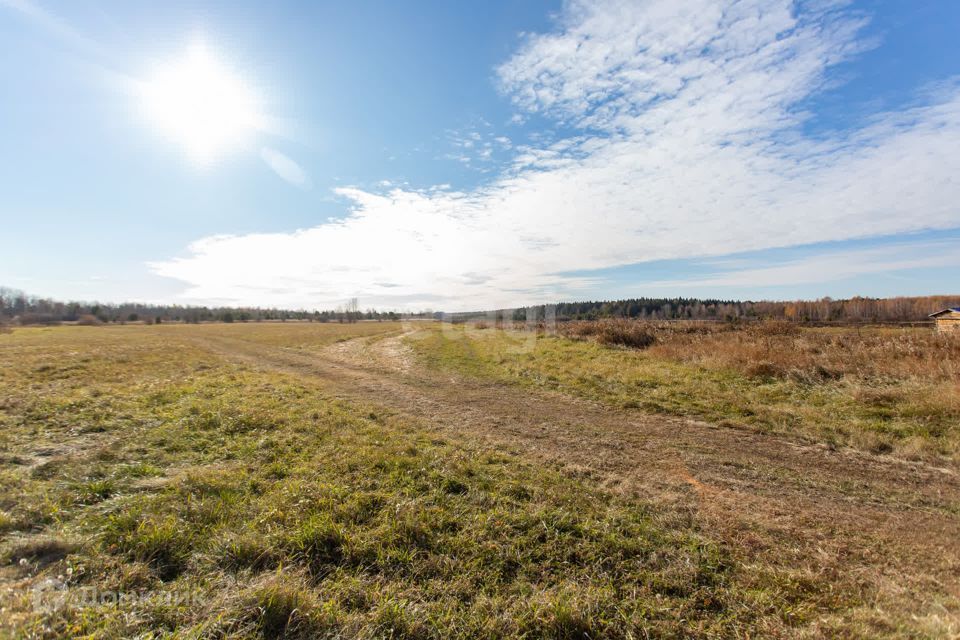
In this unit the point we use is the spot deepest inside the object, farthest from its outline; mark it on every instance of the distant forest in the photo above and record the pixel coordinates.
(824, 310)
(26, 309)
(17, 306)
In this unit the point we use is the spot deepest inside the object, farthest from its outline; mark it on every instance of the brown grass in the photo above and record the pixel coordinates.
(612, 332)
(779, 349)
(784, 350)
(877, 389)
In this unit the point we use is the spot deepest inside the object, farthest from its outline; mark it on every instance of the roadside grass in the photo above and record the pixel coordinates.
(886, 391)
(221, 501)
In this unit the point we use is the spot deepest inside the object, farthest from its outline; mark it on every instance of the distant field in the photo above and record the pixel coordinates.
(884, 390)
(373, 480)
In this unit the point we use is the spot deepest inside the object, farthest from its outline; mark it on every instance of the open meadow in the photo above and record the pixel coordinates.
(419, 480)
(879, 389)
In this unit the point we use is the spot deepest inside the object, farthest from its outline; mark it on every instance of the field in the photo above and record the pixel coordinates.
(418, 480)
(877, 389)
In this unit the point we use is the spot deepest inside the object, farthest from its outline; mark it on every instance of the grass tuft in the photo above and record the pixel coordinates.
(285, 607)
(318, 542)
(165, 544)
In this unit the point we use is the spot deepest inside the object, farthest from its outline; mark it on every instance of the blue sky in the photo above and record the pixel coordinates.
(470, 155)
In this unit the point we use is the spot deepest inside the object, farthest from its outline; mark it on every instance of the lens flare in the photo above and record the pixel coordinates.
(201, 104)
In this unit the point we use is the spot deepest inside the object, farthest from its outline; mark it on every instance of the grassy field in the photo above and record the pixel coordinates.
(153, 487)
(884, 390)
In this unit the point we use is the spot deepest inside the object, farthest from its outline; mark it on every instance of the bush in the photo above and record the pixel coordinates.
(88, 320)
(623, 333)
(776, 328)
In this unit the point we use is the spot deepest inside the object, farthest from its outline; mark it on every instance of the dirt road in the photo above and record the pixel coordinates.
(887, 528)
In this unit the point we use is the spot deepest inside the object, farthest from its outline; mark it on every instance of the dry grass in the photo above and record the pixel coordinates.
(786, 350)
(778, 349)
(613, 332)
(883, 390)
(135, 460)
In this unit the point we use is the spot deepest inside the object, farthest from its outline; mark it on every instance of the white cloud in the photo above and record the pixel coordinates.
(688, 145)
(285, 167)
(473, 147)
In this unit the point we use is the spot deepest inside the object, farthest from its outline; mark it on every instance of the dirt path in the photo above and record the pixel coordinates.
(888, 528)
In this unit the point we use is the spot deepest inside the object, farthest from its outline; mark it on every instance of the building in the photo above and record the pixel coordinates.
(947, 320)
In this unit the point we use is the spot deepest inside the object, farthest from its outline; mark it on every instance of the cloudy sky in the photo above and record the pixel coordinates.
(472, 155)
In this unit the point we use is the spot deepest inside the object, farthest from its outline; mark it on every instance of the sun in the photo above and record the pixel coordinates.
(201, 104)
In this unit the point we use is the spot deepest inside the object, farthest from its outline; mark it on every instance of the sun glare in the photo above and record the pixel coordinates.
(201, 104)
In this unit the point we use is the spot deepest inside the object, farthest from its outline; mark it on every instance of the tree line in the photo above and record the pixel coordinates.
(857, 309)
(18, 306)
(26, 309)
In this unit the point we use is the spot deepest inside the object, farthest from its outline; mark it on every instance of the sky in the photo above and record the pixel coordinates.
(464, 156)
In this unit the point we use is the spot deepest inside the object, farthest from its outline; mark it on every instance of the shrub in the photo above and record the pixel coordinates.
(623, 333)
(775, 328)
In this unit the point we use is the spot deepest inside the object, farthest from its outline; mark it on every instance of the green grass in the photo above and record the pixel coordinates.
(913, 416)
(238, 503)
